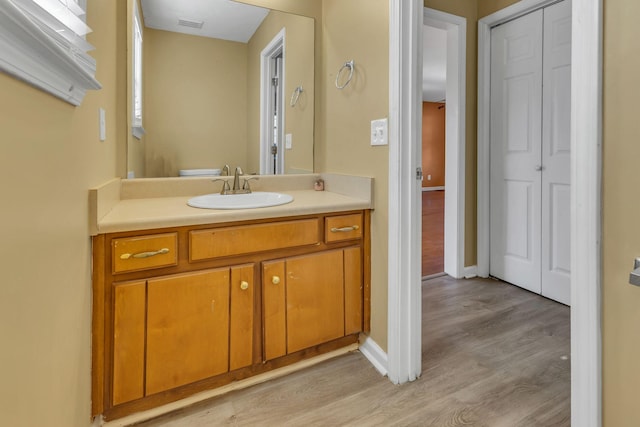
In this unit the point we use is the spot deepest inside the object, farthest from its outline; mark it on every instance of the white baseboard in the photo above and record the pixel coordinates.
(470, 272)
(374, 354)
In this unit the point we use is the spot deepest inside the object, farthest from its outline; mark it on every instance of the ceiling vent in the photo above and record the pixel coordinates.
(190, 23)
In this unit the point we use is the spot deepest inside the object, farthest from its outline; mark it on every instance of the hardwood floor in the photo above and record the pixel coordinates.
(432, 232)
(494, 355)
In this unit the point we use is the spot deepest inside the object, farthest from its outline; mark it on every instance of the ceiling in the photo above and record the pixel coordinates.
(222, 19)
(434, 64)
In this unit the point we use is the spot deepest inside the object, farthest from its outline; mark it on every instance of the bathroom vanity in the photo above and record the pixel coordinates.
(187, 300)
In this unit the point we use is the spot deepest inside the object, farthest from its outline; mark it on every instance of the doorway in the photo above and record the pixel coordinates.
(403, 358)
(434, 93)
(530, 151)
(444, 82)
(272, 82)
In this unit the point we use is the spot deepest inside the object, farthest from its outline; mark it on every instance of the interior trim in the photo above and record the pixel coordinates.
(375, 355)
(404, 325)
(586, 199)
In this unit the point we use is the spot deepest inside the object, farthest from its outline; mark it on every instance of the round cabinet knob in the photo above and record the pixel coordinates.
(275, 280)
(244, 285)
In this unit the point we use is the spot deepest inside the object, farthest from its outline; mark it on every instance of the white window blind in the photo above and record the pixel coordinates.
(43, 43)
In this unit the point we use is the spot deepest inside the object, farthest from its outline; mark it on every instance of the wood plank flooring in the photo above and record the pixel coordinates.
(432, 232)
(494, 355)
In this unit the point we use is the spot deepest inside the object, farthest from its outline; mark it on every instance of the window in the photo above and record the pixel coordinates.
(136, 78)
(43, 43)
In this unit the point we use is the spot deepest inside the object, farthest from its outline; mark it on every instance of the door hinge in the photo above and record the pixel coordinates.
(419, 176)
(274, 81)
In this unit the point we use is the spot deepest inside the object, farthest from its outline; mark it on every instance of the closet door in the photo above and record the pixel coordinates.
(556, 153)
(516, 125)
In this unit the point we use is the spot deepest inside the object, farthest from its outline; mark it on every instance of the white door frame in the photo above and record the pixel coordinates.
(455, 139)
(266, 110)
(586, 196)
(586, 128)
(404, 333)
(404, 317)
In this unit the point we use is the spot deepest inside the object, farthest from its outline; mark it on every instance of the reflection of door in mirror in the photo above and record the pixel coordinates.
(278, 115)
(272, 117)
(202, 94)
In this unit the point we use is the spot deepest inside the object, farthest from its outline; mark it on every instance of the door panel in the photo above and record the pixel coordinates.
(241, 322)
(516, 103)
(556, 153)
(187, 328)
(274, 309)
(128, 341)
(315, 299)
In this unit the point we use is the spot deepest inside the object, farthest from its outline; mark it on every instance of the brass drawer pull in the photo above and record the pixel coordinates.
(145, 254)
(244, 285)
(345, 229)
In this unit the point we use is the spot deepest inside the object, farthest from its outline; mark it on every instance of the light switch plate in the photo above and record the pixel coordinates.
(103, 124)
(379, 133)
(287, 141)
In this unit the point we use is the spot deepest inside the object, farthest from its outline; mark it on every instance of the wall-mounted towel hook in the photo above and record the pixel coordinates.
(350, 65)
(295, 96)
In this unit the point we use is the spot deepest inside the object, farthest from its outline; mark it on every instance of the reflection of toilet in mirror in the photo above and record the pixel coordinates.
(199, 172)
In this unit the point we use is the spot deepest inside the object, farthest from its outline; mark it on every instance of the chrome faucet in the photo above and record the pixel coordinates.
(238, 188)
(225, 186)
(236, 180)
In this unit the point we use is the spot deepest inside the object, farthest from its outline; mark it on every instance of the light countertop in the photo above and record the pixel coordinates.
(112, 213)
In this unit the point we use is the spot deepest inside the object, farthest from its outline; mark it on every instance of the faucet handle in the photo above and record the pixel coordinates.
(225, 170)
(225, 185)
(246, 186)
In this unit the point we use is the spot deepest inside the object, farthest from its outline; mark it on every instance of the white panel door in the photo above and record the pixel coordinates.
(556, 118)
(516, 125)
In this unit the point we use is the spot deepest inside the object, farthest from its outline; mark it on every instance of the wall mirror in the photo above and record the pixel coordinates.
(224, 83)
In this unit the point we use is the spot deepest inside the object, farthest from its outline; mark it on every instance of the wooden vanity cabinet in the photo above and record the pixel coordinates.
(182, 310)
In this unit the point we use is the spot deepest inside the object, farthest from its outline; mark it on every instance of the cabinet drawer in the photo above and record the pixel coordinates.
(343, 227)
(245, 239)
(144, 252)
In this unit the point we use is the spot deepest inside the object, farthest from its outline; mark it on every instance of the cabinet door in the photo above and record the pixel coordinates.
(242, 308)
(274, 309)
(315, 299)
(128, 341)
(187, 328)
(353, 291)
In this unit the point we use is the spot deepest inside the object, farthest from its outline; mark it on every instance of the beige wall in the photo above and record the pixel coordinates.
(195, 103)
(346, 116)
(621, 242)
(49, 156)
(299, 70)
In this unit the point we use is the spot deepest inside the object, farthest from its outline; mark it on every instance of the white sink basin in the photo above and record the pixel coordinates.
(257, 199)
